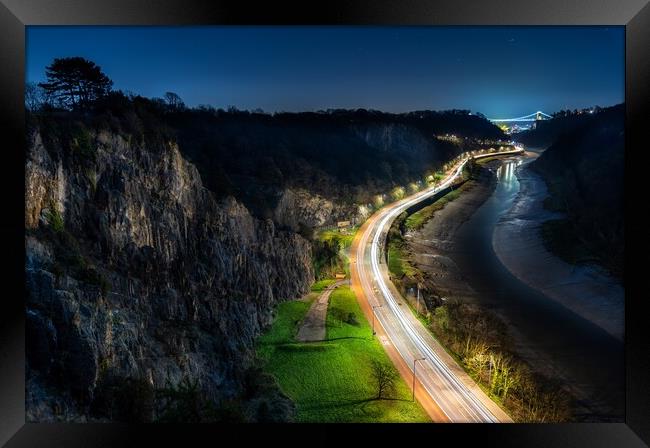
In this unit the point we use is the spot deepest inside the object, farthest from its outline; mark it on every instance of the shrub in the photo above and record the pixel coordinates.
(325, 257)
(69, 258)
(479, 340)
(81, 142)
(340, 315)
(55, 220)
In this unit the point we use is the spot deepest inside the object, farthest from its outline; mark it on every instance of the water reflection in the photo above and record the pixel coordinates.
(581, 352)
(506, 174)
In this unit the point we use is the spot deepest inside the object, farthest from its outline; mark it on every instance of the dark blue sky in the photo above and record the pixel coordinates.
(499, 71)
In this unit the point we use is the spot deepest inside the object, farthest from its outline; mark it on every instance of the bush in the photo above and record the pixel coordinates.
(325, 257)
(478, 339)
(82, 145)
(55, 220)
(70, 259)
(341, 316)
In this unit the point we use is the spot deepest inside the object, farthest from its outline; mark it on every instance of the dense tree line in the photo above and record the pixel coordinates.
(480, 340)
(347, 155)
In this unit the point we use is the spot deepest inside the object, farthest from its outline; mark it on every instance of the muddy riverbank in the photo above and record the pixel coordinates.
(585, 289)
(455, 252)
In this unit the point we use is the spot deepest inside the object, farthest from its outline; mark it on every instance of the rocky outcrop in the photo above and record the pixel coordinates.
(298, 208)
(134, 270)
(397, 138)
(403, 145)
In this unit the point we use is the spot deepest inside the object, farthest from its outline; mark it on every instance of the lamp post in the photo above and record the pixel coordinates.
(373, 317)
(414, 361)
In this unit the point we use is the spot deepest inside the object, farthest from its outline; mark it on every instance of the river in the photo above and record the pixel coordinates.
(554, 338)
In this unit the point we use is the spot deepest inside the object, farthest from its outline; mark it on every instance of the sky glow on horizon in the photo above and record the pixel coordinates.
(498, 71)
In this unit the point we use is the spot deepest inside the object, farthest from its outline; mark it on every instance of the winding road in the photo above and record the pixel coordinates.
(443, 388)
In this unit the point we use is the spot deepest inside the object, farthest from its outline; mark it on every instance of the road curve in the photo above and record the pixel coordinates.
(443, 388)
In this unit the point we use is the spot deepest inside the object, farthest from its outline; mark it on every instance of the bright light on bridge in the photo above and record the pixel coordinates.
(535, 116)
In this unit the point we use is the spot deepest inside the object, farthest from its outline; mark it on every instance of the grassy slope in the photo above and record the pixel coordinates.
(419, 218)
(331, 381)
(399, 263)
(345, 237)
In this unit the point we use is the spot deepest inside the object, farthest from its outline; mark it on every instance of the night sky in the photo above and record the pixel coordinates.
(499, 71)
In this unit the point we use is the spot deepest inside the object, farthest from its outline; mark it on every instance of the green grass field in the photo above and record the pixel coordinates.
(322, 284)
(331, 381)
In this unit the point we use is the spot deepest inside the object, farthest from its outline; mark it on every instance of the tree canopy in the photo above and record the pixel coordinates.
(75, 82)
(34, 96)
(174, 101)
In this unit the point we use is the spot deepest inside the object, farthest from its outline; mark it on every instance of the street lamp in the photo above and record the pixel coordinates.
(373, 317)
(414, 361)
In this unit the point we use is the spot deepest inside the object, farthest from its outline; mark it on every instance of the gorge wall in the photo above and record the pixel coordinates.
(159, 241)
(135, 270)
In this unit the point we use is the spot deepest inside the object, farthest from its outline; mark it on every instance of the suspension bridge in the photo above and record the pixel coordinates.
(535, 116)
(516, 124)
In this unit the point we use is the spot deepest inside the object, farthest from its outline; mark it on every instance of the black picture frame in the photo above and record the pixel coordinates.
(16, 14)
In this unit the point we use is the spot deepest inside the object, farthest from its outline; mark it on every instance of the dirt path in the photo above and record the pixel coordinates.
(313, 325)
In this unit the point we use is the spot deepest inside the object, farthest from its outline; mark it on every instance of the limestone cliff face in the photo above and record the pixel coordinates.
(299, 207)
(134, 270)
(396, 138)
(403, 145)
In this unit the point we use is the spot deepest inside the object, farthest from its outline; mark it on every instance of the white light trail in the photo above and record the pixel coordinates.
(473, 406)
